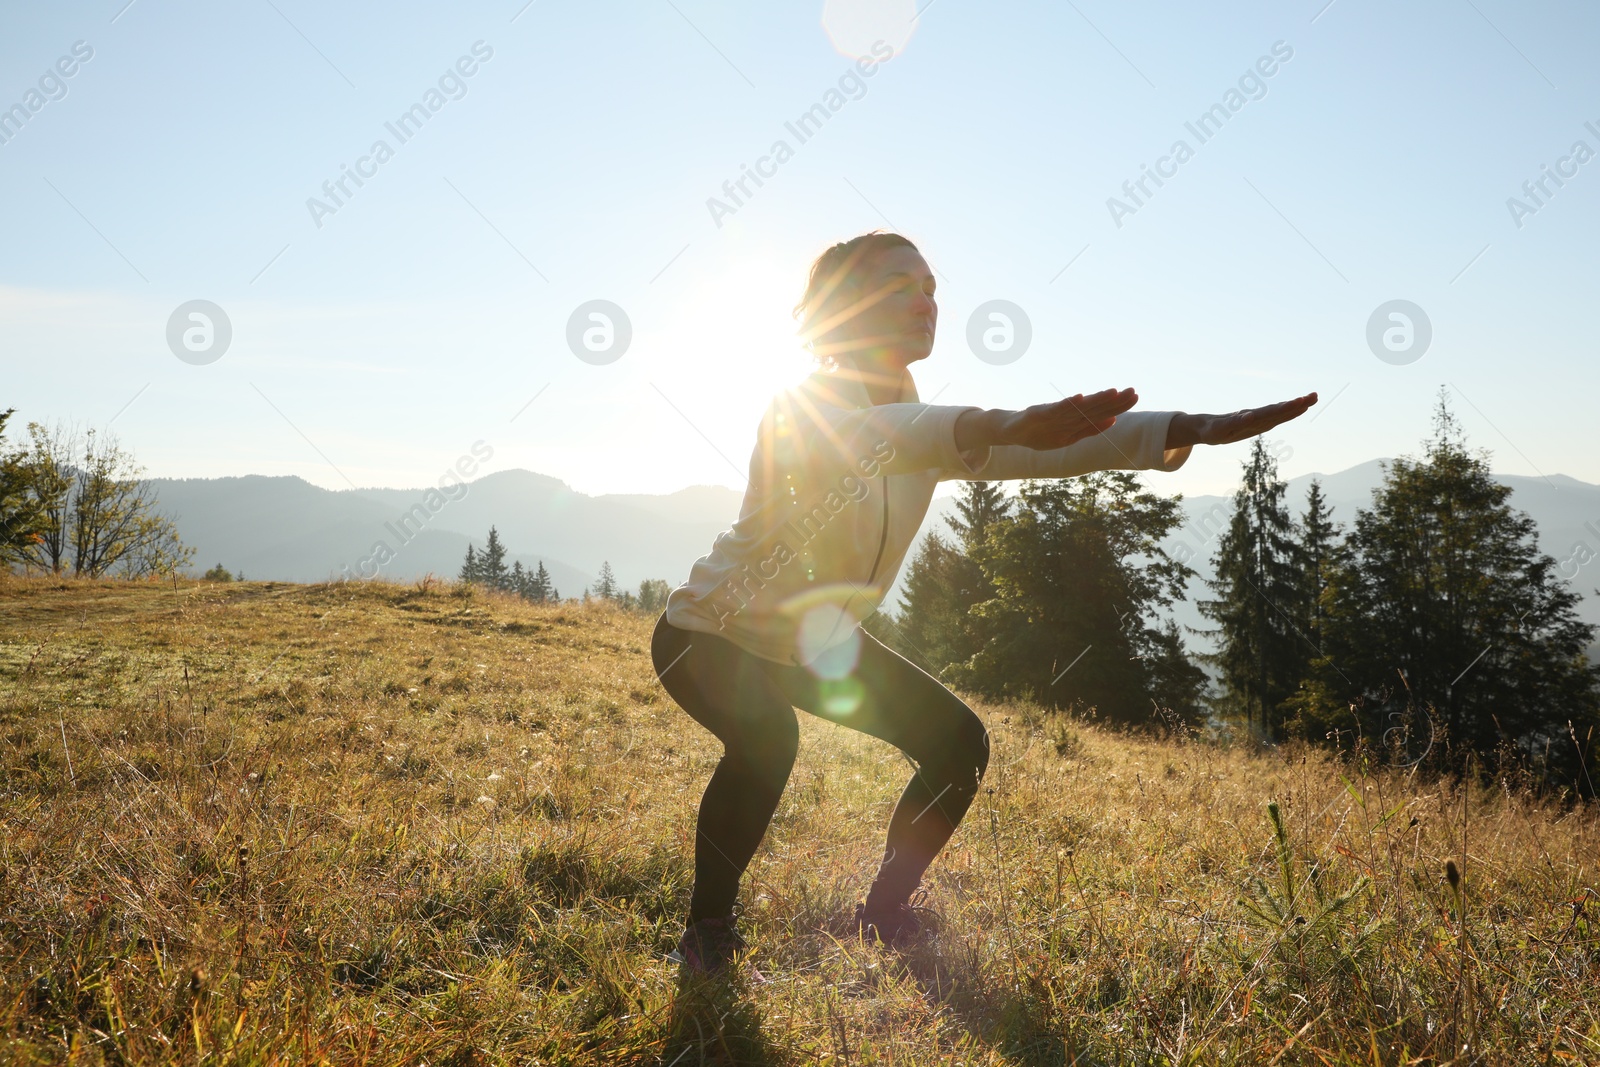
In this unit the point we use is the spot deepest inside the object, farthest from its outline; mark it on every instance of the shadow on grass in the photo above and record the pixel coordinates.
(714, 1022)
(1019, 1024)
(997, 1005)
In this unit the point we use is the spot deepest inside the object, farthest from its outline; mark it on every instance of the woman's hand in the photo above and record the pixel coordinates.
(1187, 429)
(1045, 426)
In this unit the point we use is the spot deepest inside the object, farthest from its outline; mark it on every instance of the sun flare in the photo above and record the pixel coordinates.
(732, 331)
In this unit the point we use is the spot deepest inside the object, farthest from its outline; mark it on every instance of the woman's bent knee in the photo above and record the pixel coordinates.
(766, 756)
(961, 754)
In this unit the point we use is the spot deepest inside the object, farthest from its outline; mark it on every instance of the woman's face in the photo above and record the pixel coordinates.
(888, 310)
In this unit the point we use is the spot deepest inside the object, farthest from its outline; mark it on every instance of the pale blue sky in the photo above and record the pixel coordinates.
(433, 305)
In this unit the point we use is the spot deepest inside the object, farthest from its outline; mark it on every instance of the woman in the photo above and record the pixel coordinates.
(844, 468)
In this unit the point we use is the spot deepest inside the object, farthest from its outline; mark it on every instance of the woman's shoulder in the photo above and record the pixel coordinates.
(804, 396)
(827, 388)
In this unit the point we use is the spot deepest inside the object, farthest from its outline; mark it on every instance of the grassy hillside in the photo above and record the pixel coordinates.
(380, 824)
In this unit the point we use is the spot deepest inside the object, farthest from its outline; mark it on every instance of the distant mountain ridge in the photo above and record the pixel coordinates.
(288, 529)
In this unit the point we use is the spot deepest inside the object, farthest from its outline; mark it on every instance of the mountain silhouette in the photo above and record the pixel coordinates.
(287, 529)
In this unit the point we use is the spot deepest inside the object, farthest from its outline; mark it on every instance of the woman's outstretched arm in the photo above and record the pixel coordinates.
(1044, 426)
(1081, 434)
(1186, 429)
(1067, 421)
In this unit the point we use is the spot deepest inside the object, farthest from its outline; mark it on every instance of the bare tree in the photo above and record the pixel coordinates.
(114, 518)
(94, 508)
(158, 554)
(49, 467)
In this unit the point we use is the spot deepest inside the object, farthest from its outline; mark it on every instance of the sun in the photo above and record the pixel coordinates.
(722, 344)
(733, 330)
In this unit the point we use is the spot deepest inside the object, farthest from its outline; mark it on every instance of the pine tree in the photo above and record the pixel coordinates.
(1319, 538)
(1080, 580)
(539, 589)
(469, 568)
(518, 580)
(606, 588)
(933, 628)
(980, 505)
(1258, 585)
(653, 594)
(1440, 605)
(492, 564)
(946, 582)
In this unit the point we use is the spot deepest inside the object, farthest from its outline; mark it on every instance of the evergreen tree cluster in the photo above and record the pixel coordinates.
(1055, 598)
(1432, 629)
(488, 568)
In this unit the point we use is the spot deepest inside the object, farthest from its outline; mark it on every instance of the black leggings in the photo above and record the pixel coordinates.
(749, 702)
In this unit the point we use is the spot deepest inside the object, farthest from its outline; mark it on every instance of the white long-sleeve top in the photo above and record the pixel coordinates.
(838, 490)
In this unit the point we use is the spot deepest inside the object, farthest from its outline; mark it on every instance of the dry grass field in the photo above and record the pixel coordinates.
(389, 824)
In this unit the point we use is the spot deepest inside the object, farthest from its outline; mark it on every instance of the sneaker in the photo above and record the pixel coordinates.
(709, 947)
(897, 924)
